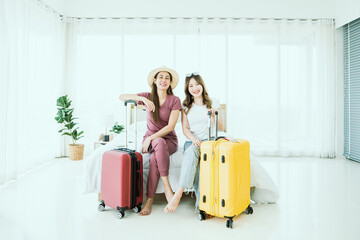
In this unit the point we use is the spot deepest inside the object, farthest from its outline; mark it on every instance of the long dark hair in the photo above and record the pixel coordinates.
(189, 99)
(154, 97)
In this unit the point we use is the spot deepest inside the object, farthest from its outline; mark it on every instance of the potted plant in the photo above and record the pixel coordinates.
(65, 117)
(117, 128)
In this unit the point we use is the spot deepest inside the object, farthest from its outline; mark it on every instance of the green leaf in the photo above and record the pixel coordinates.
(69, 111)
(70, 125)
(58, 119)
(61, 130)
(68, 118)
(62, 101)
(68, 104)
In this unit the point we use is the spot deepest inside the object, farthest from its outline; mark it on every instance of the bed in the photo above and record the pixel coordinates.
(265, 189)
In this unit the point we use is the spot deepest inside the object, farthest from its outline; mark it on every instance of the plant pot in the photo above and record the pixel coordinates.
(76, 151)
(106, 138)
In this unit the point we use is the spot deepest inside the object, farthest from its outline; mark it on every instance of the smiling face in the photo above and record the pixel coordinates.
(163, 80)
(195, 88)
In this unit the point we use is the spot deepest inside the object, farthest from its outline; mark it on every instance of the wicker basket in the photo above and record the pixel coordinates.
(76, 151)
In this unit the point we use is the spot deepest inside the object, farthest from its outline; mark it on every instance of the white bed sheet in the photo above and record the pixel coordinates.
(92, 169)
(265, 189)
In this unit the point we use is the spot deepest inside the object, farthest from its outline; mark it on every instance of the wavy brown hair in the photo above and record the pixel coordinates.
(189, 99)
(154, 97)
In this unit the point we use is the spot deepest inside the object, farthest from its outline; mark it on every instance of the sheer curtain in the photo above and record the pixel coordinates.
(281, 86)
(276, 76)
(31, 76)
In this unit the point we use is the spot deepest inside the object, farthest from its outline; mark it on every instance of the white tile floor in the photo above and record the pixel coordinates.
(320, 199)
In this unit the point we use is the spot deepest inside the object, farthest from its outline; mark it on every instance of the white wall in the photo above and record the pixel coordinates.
(346, 11)
(197, 8)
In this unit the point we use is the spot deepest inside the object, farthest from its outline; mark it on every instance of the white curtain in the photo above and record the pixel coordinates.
(281, 86)
(31, 79)
(276, 76)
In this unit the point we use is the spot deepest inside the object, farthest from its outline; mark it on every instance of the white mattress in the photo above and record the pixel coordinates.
(265, 189)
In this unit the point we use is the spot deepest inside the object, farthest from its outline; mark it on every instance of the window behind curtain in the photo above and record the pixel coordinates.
(352, 90)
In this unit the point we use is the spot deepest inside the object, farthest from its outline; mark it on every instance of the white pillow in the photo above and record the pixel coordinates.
(141, 126)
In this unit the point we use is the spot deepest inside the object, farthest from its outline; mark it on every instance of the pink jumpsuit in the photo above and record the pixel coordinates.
(163, 147)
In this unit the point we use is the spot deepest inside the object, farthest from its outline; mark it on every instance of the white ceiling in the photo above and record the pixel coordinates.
(196, 8)
(342, 10)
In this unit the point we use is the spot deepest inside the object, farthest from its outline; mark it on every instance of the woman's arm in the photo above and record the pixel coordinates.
(149, 104)
(186, 129)
(174, 115)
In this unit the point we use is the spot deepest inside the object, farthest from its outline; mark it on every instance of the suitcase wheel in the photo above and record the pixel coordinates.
(120, 215)
(229, 223)
(202, 215)
(249, 210)
(101, 206)
(137, 209)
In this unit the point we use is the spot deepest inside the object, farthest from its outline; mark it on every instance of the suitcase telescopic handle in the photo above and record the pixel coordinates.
(216, 124)
(126, 122)
(209, 124)
(130, 101)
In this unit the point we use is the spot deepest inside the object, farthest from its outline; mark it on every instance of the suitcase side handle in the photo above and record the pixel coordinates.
(139, 188)
(221, 137)
(124, 150)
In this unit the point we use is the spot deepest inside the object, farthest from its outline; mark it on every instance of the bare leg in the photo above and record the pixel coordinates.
(167, 188)
(174, 202)
(147, 208)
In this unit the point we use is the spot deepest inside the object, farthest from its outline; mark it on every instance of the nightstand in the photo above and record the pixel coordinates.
(99, 144)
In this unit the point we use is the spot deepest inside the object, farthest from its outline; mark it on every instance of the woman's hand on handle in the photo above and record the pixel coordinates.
(149, 104)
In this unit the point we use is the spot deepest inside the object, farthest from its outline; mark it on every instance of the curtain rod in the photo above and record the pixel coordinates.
(70, 19)
(199, 18)
(42, 3)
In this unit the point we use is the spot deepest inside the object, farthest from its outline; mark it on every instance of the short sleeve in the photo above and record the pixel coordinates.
(143, 94)
(215, 103)
(176, 104)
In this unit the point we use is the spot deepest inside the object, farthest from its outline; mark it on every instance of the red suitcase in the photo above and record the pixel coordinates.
(122, 179)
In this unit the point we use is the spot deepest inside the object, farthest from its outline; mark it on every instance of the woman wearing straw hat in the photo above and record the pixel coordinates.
(160, 140)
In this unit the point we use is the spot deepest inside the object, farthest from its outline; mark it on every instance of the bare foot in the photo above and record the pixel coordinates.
(168, 194)
(167, 188)
(147, 208)
(173, 204)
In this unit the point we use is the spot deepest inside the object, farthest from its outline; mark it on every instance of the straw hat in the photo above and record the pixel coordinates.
(174, 74)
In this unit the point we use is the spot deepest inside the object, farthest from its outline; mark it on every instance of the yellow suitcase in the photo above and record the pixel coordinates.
(224, 179)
